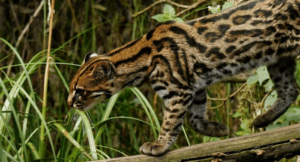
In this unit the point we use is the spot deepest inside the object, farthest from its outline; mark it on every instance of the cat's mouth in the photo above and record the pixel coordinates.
(79, 105)
(86, 100)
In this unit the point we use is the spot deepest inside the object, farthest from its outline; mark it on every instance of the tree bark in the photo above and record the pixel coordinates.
(263, 146)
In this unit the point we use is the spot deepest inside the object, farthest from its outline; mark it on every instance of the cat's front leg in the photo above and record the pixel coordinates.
(176, 106)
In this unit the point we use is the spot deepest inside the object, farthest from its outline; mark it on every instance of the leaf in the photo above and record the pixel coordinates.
(168, 9)
(245, 125)
(270, 99)
(245, 129)
(252, 79)
(273, 126)
(227, 5)
(214, 9)
(263, 74)
(89, 134)
(268, 86)
(237, 114)
(286, 118)
(168, 14)
(178, 20)
(292, 114)
(240, 133)
(71, 139)
(161, 17)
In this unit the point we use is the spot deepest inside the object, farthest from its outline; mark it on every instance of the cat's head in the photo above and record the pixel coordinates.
(93, 82)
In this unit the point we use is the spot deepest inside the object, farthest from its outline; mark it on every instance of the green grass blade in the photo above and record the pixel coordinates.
(9, 156)
(71, 139)
(41, 117)
(228, 107)
(16, 119)
(148, 108)
(103, 153)
(26, 118)
(61, 77)
(109, 107)
(89, 134)
(77, 125)
(185, 135)
(31, 135)
(15, 89)
(113, 150)
(6, 106)
(34, 151)
(124, 117)
(21, 61)
(9, 143)
(1, 154)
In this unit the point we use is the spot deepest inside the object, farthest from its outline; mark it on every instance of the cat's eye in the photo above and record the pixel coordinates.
(91, 68)
(80, 92)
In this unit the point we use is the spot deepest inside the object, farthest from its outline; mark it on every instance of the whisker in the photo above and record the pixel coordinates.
(74, 115)
(66, 121)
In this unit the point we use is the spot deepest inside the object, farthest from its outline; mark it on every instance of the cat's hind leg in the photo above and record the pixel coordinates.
(282, 74)
(196, 117)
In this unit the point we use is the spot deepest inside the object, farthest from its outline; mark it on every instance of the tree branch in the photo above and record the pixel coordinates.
(264, 146)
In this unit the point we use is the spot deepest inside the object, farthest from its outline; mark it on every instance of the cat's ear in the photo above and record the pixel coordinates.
(89, 56)
(102, 69)
(108, 69)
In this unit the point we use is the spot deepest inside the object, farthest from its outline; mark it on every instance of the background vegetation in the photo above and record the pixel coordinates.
(30, 131)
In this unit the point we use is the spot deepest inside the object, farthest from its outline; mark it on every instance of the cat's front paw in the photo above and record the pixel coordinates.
(153, 148)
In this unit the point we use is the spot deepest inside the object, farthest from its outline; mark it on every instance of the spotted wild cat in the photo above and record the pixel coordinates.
(180, 60)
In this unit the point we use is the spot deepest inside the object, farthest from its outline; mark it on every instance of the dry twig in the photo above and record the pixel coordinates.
(233, 94)
(51, 12)
(191, 7)
(224, 99)
(158, 2)
(37, 11)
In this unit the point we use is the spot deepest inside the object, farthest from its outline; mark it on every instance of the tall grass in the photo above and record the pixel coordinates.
(114, 128)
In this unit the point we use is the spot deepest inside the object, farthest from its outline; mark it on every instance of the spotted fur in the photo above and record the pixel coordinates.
(180, 60)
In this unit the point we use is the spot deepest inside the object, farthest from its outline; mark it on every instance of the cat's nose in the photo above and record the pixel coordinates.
(77, 96)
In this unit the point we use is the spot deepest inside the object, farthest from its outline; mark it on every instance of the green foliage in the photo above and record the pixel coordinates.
(263, 78)
(297, 74)
(244, 116)
(168, 14)
(227, 4)
(244, 128)
(215, 9)
(252, 79)
(270, 100)
(289, 117)
(260, 76)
